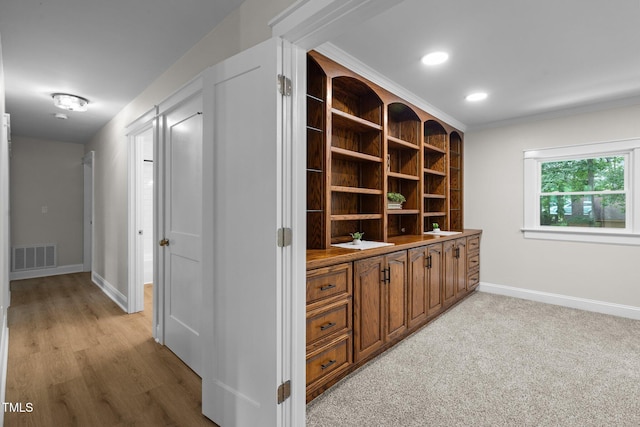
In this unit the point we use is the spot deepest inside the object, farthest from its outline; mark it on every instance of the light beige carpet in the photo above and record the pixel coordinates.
(497, 361)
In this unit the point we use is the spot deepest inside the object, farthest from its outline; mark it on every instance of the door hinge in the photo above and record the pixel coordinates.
(284, 237)
(284, 85)
(284, 391)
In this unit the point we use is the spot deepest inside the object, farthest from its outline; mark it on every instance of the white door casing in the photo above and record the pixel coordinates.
(88, 162)
(138, 132)
(244, 281)
(182, 148)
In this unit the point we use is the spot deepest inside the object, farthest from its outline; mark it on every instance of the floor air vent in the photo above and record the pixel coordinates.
(34, 257)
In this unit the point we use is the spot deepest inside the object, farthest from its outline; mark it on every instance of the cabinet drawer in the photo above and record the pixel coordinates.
(473, 244)
(329, 281)
(473, 261)
(327, 360)
(332, 319)
(473, 280)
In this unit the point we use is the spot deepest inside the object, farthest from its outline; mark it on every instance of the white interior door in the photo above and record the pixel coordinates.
(243, 266)
(182, 241)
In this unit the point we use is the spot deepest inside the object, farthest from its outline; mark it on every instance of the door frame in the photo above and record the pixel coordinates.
(135, 288)
(88, 162)
(153, 118)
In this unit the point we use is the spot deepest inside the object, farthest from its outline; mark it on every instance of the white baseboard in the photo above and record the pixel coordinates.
(44, 272)
(4, 357)
(620, 310)
(110, 290)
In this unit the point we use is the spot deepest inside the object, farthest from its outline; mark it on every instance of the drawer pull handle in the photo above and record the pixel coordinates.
(327, 326)
(329, 363)
(327, 287)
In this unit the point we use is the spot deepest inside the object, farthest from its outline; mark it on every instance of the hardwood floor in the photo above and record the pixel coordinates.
(80, 361)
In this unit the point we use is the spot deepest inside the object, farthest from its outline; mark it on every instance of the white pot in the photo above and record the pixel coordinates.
(356, 242)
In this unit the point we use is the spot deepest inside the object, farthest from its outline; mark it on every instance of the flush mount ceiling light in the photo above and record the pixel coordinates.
(61, 116)
(435, 58)
(69, 102)
(477, 96)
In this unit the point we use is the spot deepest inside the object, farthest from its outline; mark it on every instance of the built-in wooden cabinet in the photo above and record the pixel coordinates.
(380, 292)
(364, 142)
(360, 303)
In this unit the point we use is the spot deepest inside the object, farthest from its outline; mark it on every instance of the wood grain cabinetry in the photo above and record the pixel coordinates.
(329, 324)
(425, 284)
(455, 270)
(380, 294)
(473, 262)
(369, 300)
(364, 142)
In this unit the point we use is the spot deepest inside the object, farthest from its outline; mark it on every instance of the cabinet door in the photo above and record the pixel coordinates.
(368, 324)
(449, 276)
(396, 294)
(434, 279)
(418, 299)
(461, 266)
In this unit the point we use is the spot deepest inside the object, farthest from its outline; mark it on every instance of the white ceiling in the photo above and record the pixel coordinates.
(107, 51)
(533, 57)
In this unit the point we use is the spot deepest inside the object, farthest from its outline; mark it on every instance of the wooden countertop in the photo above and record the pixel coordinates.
(324, 257)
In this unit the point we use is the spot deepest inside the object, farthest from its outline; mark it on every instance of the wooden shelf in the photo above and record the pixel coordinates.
(435, 172)
(434, 149)
(400, 143)
(340, 118)
(354, 155)
(403, 176)
(355, 217)
(434, 196)
(429, 214)
(356, 190)
(315, 98)
(403, 211)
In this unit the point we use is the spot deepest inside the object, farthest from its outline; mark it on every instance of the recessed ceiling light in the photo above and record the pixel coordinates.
(477, 96)
(435, 58)
(61, 116)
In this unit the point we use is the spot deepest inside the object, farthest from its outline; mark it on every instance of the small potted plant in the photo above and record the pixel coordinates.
(395, 200)
(357, 237)
(436, 227)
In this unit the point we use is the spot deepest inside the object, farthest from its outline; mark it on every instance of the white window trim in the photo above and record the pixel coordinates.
(532, 228)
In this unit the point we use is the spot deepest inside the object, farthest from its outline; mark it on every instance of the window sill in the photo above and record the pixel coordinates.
(585, 236)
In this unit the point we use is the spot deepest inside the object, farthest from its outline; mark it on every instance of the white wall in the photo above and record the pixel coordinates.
(4, 242)
(494, 203)
(48, 174)
(243, 28)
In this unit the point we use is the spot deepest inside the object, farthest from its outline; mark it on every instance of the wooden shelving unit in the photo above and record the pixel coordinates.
(435, 170)
(403, 168)
(364, 142)
(455, 181)
(316, 155)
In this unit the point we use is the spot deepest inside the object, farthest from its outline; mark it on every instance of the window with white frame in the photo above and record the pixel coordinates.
(587, 192)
